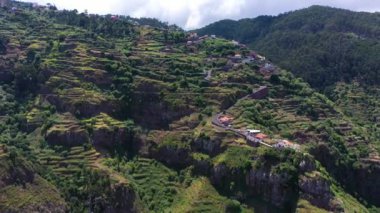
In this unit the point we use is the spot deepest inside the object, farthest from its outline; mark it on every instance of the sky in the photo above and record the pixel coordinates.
(192, 14)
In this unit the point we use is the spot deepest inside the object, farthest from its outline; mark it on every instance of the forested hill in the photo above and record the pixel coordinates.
(107, 114)
(321, 44)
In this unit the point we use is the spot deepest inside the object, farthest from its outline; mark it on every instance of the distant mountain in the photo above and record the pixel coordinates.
(321, 44)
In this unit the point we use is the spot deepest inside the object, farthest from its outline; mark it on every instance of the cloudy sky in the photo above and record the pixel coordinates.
(191, 14)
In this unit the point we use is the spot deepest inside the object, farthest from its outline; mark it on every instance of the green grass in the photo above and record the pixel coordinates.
(304, 206)
(201, 196)
(73, 161)
(39, 193)
(350, 204)
(157, 185)
(235, 157)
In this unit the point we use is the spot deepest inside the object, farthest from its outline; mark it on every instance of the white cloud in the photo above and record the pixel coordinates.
(192, 14)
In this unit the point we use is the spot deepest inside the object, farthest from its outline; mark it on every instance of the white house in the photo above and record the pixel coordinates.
(235, 42)
(253, 131)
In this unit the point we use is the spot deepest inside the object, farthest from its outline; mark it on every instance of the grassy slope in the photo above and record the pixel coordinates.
(173, 78)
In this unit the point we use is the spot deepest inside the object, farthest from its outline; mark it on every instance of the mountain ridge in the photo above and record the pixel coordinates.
(307, 39)
(119, 117)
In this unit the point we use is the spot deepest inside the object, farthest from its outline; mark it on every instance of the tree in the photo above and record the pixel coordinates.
(26, 78)
(13, 156)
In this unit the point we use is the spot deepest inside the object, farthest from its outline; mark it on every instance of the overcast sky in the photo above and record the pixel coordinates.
(191, 14)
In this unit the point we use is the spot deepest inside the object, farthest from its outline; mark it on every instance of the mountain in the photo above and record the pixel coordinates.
(102, 114)
(323, 45)
(336, 51)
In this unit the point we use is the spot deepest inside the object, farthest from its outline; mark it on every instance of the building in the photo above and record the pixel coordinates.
(260, 93)
(4, 3)
(253, 132)
(236, 58)
(285, 144)
(261, 136)
(268, 69)
(261, 58)
(255, 139)
(235, 42)
(225, 119)
(193, 37)
(248, 60)
(203, 37)
(213, 36)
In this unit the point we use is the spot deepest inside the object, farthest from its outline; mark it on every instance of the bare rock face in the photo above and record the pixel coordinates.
(307, 165)
(85, 107)
(172, 156)
(316, 189)
(107, 138)
(152, 113)
(363, 180)
(273, 187)
(67, 132)
(209, 146)
(123, 200)
(5, 74)
(106, 132)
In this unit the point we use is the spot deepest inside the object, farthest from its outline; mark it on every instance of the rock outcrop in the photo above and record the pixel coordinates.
(23, 190)
(273, 187)
(67, 131)
(362, 179)
(316, 190)
(82, 104)
(107, 132)
(123, 199)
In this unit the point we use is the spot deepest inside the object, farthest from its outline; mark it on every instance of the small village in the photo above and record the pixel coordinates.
(254, 137)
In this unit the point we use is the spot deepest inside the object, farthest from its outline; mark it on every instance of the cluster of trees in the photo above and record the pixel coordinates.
(105, 25)
(3, 43)
(89, 190)
(321, 44)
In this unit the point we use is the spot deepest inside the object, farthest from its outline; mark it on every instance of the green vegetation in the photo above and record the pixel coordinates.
(201, 196)
(109, 115)
(305, 42)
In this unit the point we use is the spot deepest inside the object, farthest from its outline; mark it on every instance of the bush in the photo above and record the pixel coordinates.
(232, 206)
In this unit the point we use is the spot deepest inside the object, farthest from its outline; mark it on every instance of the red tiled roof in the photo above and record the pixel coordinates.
(261, 136)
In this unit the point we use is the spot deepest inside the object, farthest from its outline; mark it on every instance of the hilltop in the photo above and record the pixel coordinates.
(108, 115)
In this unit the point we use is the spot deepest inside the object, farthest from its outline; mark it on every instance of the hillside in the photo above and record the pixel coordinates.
(322, 45)
(336, 51)
(111, 116)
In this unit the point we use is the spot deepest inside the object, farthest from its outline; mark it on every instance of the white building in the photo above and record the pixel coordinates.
(235, 42)
(253, 131)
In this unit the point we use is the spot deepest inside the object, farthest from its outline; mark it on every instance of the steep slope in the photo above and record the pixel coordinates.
(22, 189)
(320, 44)
(128, 118)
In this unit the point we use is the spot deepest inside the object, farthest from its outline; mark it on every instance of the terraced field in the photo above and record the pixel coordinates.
(156, 184)
(200, 196)
(68, 162)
